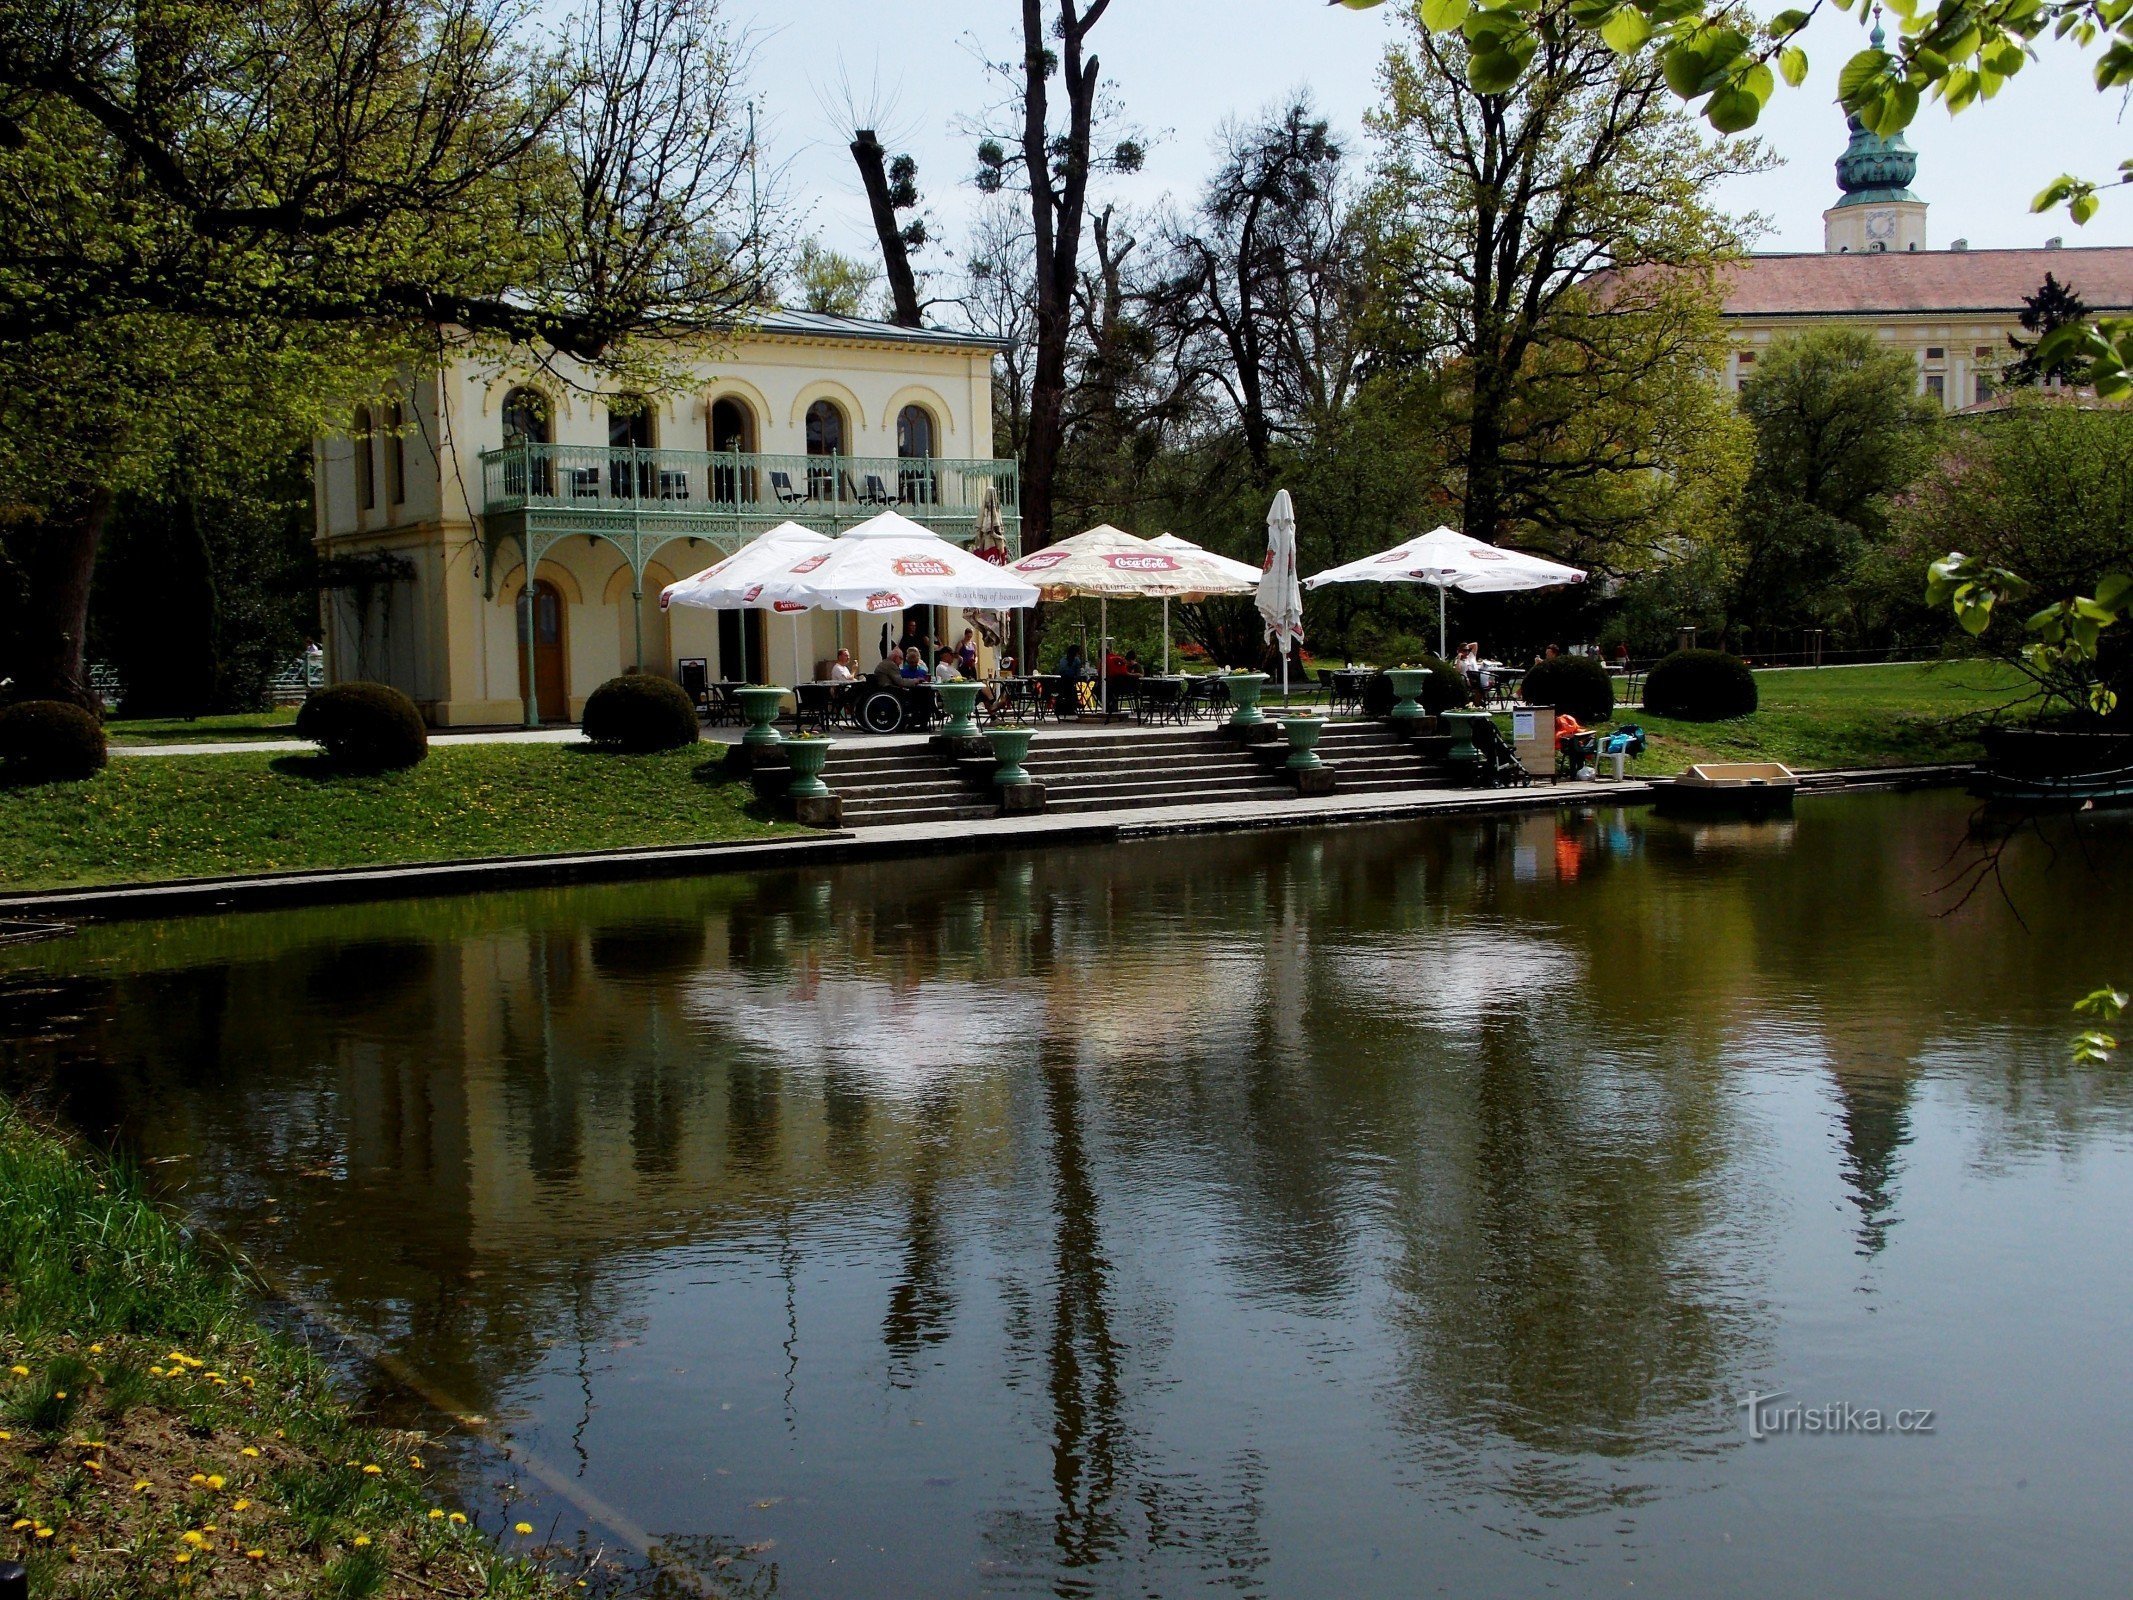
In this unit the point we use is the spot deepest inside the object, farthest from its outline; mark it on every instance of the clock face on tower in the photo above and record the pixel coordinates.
(1881, 226)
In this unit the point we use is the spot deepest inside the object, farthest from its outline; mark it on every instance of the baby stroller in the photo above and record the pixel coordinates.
(1500, 766)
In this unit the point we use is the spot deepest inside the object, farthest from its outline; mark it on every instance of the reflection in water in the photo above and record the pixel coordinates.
(1271, 1215)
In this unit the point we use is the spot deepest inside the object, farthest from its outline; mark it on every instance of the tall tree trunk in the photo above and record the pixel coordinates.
(61, 566)
(895, 256)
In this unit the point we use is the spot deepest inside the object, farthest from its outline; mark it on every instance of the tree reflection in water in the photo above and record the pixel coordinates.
(1101, 1220)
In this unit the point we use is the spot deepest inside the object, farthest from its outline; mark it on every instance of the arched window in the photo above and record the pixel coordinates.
(395, 454)
(629, 427)
(825, 437)
(365, 467)
(526, 417)
(825, 429)
(914, 444)
(526, 423)
(914, 433)
(732, 432)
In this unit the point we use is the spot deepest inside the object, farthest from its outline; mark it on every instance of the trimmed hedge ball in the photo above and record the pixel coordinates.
(1700, 686)
(365, 727)
(1576, 684)
(50, 741)
(641, 712)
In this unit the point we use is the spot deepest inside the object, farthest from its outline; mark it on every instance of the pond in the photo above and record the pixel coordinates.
(1367, 1212)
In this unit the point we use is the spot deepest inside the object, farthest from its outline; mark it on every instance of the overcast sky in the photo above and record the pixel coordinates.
(1181, 67)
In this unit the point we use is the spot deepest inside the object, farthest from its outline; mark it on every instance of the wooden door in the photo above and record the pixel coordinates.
(551, 694)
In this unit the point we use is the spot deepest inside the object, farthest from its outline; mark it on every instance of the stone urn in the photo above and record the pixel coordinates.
(1244, 691)
(1407, 685)
(759, 707)
(1010, 747)
(1464, 755)
(806, 757)
(960, 702)
(1303, 735)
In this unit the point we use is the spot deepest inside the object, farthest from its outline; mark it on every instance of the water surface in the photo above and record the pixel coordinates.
(1377, 1212)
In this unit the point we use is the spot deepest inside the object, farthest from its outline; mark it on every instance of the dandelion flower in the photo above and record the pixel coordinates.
(246, 1380)
(214, 1480)
(256, 1555)
(240, 1505)
(457, 1516)
(198, 1477)
(44, 1533)
(4, 1434)
(21, 1523)
(19, 1371)
(182, 1557)
(371, 1469)
(362, 1539)
(436, 1515)
(250, 1450)
(415, 1462)
(142, 1486)
(157, 1372)
(523, 1527)
(96, 1349)
(59, 1394)
(193, 1538)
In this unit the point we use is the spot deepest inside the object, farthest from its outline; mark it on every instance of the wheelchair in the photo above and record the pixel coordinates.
(886, 710)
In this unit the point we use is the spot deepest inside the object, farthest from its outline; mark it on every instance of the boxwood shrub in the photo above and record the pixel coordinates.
(1700, 686)
(49, 741)
(365, 727)
(640, 712)
(1576, 684)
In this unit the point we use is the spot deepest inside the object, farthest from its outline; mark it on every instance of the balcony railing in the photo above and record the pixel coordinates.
(562, 483)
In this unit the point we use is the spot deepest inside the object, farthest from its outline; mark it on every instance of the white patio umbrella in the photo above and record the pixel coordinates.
(1451, 560)
(1280, 600)
(1243, 573)
(1105, 561)
(889, 563)
(736, 583)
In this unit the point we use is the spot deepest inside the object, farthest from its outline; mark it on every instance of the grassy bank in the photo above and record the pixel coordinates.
(1881, 716)
(159, 817)
(155, 1441)
(279, 723)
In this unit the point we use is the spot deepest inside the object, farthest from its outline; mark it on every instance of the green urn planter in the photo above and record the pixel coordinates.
(1303, 735)
(960, 701)
(1244, 689)
(1464, 755)
(1010, 746)
(1407, 685)
(759, 706)
(806, 757)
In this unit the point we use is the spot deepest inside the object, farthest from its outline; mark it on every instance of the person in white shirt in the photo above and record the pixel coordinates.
(841, 668)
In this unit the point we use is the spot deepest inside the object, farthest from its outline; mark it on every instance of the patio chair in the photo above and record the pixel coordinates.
(781, 486)
(1161, 700)
(673, 485)
(725, 710)
(695, 674)
(814, 708)
(877, 492)
(584, 483)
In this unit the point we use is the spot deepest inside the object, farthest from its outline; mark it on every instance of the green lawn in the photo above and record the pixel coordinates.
(280, 723)
(156, 817)
(1880, 716)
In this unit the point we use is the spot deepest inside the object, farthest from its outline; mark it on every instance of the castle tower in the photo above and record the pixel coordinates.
(1878, 211)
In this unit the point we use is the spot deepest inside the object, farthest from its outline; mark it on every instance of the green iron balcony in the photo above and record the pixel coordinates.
(566, 489)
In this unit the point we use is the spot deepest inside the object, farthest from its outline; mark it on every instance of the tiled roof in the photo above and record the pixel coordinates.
(827, 325)
(1923, 281)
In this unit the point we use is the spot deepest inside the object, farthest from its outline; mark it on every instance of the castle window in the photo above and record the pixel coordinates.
(1936, 352)
(1937, 386)
(366, 469)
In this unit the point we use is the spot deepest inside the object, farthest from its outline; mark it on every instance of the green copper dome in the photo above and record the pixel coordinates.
(1873, 168)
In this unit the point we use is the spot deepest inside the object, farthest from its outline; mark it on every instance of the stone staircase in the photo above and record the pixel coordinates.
(1121, 770)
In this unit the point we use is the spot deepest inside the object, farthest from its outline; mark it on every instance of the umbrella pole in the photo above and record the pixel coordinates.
(1166, 635)
(1103, 648)
(1441, 656)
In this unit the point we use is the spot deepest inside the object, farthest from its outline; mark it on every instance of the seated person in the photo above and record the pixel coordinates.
(914, 667)
(1134, 668)
(1116, 665)
(889, 672)
(945, 669)
(841, 668)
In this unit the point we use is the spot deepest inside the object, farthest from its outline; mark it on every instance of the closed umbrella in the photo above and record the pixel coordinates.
(1242, 573)
(1452, 560)
(736, 583)
(1280, 598)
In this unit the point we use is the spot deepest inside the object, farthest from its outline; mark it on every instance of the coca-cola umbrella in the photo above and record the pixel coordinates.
(1108, 562)
(736, 583)
(1245, 574)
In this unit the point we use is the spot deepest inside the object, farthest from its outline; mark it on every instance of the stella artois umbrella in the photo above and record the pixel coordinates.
(736, 583)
